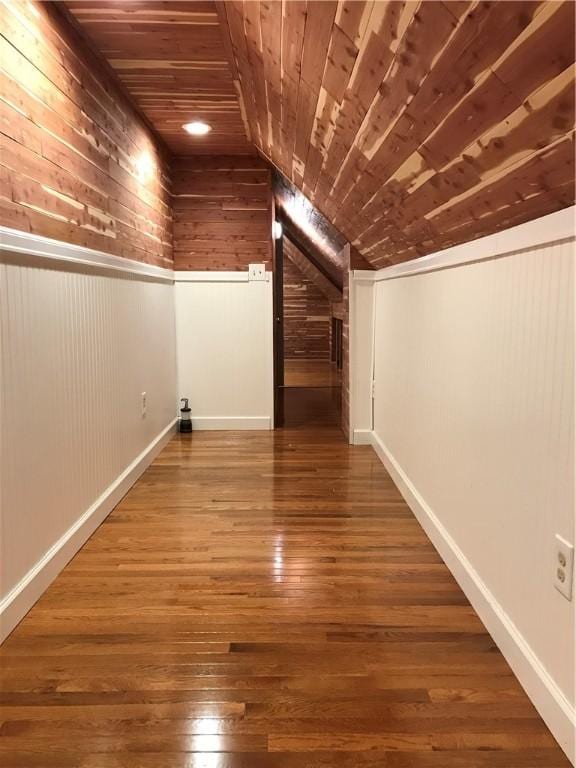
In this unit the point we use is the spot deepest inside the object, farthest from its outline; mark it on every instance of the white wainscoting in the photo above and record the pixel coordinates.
(362, 306)
(474, 418)
(81, 339)
(225, 349)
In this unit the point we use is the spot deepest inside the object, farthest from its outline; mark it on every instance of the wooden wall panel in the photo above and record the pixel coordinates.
(77, 163)
(222, 213)
(414, 126)
(306, 314)
(311, 272)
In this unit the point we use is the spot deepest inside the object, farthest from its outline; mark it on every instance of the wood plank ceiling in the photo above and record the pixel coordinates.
(412, 126)
(172, 60)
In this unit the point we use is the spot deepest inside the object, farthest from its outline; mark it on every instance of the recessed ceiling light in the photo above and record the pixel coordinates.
(197, 128)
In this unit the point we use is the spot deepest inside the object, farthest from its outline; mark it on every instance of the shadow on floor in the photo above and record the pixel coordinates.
(312, 407)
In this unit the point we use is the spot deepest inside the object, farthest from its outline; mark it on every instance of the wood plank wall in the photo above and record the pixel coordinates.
(326, 286)
(77, 162)
(222, 213)
(306, 315)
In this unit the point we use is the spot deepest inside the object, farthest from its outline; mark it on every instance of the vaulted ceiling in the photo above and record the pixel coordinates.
(411, 126)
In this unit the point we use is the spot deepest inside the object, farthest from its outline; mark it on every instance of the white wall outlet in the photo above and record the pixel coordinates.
(256, 272)
(563, 566)
(143, 404)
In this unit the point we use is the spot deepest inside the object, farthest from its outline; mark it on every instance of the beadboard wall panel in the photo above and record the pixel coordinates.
(474, 413)
(306, 315)
(78, 348)
(222, 213)
(77, 163)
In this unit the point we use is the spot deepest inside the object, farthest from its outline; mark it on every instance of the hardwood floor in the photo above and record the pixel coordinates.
(310, 407)
(258, 600)
(311, 373)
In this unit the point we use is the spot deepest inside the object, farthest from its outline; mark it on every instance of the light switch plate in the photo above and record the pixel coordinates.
(256, 272)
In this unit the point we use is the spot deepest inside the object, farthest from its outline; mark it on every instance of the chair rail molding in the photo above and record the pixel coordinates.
(25, 246)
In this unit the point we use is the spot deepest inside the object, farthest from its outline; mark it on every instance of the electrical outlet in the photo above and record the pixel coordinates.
(256, 272)
(143, 404)
(563, 566)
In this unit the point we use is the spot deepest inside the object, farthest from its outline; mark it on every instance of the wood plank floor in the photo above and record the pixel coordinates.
(311, 407)
(311, 373)
(259, 600)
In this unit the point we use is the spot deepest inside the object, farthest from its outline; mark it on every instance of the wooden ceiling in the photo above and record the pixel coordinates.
(171, 58)
(412, 126)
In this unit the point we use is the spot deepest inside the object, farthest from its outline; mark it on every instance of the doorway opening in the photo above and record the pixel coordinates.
(309, 321)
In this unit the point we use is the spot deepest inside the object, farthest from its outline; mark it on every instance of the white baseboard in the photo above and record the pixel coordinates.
(554, 708)
(22, 597)
(362, 437)
(201, 423)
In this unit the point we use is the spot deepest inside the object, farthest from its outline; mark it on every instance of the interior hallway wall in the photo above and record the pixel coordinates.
(307, 316)
(84, 331)
(77, 163)
(79, 346)
(222, 213)
(474, 415)
(346, 361)
(224, 328)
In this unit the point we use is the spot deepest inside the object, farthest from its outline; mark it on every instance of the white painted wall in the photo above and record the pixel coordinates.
(362, 293)
(78, 347)
(474, 416)
(225, 352)
(83, 334)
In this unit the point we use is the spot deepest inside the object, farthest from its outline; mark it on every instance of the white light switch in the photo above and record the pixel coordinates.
(256, 272)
